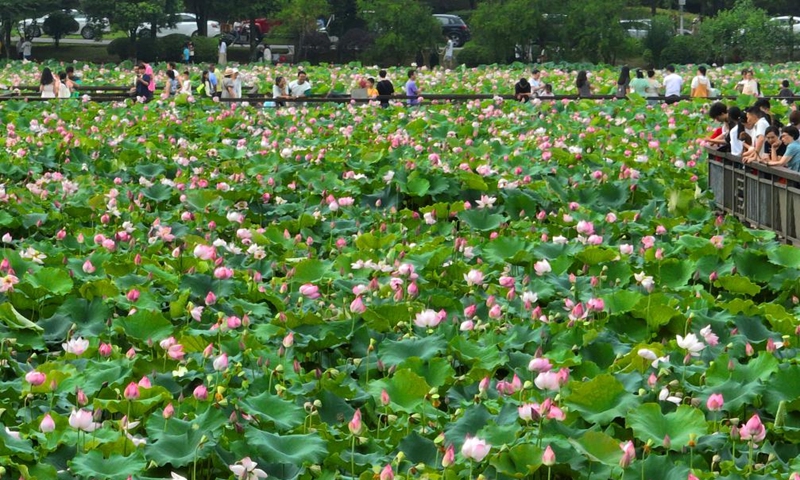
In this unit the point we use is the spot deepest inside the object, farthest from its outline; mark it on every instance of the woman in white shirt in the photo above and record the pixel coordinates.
(701, 86)
(280, 91)
(186, 84)
(734, 128)
(749, 84)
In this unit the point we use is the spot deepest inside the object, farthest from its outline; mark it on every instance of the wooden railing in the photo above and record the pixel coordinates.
(764, 197)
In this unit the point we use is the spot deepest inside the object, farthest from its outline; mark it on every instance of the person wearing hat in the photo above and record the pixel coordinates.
(237, 84)
(228, 84)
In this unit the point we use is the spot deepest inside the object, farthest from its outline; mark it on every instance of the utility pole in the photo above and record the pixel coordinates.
(681, 4)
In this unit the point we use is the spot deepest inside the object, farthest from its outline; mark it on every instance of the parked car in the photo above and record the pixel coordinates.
(88, 29)
(788, 22)
(185, 24)
(454, 28)
(637, 28)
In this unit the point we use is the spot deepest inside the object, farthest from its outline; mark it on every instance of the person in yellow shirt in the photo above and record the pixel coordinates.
(372, 92)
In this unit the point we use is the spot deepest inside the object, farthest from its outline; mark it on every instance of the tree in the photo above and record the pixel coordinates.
(592, 30)
(741, 33)
(300, 17)
(404, 27)
(498, 36)
(129, 15)
(59, 24)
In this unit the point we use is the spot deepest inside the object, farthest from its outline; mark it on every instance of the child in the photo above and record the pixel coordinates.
(186, 83)
(372, 92)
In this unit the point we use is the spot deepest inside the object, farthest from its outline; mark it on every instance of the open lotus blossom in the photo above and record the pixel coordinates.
(246, 469)
(551, 380)
(474, 277)
(82, 420)
(75, 346)
(691, 344)
(753, 430)
(541, 267)
(540, 364)
(709, 336)
(475, 449)
(645, 281)
(427, 319)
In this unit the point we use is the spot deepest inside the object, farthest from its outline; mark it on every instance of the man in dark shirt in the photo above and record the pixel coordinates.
(384, 87)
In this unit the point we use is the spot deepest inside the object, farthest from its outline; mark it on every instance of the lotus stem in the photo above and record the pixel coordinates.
(353, 458)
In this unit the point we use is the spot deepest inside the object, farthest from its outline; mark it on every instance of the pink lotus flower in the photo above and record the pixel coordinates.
(246, 470)
(82, 420)
(105, 350)
(540, 364)
(509, 388)
(692, 476)
(709, 336)
(753, 430)
(626, 249)
(197, 313)
(691, 344)
(542, 267)
(475, 449)
(551, 380)
(288, 340)
(211, 299)
(175, 351)
(548, 457)
(474, 277)
(168, 412)
(715, 402)
(75, 346)
(357, 306)
(507, 282)
(355, 425)
(35, 378)
(220, 363)
(131, 391)
(585, 228)
(88, 267)
(204, 252)
(133, 296)
(427, 319)
(385, 400)
(47, 424)
(223, 273)
(200, 392)
(449, 456)
(310, 291)
(628, 454)
(387, 473)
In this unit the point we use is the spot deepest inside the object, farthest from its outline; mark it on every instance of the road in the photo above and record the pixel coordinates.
(81, 41)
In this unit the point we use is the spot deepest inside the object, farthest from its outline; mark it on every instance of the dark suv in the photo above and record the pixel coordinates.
(455, 28)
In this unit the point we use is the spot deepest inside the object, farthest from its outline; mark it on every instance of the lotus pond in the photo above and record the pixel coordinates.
(484, 289)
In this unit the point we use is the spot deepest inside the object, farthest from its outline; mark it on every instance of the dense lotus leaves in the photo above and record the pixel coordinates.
(329, 291)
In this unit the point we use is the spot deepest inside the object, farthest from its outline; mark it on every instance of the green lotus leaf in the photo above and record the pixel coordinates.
(180, 450)
(115, 467)
(598, 447)
(55, 281)
(14, 320)
(601, 399)
(284, 415)
(518, 461)
(406, 389)
(481, 220)
(650, 424)
(145, 325)
(293, 449)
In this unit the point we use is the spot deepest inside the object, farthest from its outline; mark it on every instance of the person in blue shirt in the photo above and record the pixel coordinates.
(412, 90)
(212, 77)
(791, 157)
(186, 53)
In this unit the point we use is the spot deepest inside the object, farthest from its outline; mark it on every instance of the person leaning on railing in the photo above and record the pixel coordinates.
(790, 158)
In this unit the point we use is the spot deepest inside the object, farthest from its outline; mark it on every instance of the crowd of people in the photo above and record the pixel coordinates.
(61, 85)
(757, 134)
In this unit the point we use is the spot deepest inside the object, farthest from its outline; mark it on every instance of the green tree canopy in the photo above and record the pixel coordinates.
(404, 27)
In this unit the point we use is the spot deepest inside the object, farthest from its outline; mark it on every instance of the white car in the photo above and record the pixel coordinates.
(637, 28)
(34, 27)
(185, 24)
(788, 22)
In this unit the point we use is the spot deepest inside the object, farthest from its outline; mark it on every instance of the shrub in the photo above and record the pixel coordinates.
(205, 49)
(447, 6)
(146, 50)
(684, 49)
(473, 55)
(170, 47)
(122, 48)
